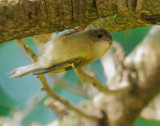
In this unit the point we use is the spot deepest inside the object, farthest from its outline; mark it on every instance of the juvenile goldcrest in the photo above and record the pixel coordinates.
(65, 52)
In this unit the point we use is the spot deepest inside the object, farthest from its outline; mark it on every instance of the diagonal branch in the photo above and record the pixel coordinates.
(63, 101)
(97, 83)
(49, 90)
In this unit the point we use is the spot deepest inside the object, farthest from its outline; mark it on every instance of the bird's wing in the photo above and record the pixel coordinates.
(64, 66)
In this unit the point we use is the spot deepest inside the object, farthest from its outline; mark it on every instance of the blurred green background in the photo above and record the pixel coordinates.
(17, 94)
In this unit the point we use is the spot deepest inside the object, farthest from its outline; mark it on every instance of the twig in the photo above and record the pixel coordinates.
(63, 101)
(96, 83)
(27, 50)
(49, 90)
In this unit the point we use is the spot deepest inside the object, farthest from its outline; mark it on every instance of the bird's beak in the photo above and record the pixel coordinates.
(107, 41)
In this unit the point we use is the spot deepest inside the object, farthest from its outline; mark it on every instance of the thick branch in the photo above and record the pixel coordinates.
(24, 18)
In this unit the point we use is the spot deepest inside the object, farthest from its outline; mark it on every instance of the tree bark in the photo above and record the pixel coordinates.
(23, 18)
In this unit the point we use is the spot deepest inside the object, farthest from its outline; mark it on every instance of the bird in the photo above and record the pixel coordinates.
(68, 50)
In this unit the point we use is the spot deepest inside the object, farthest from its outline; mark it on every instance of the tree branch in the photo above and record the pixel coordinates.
(97, 84)
(65, 102)
(51, 93)
(19, 19)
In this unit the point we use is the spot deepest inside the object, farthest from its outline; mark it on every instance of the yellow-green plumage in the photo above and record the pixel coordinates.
(64, 52)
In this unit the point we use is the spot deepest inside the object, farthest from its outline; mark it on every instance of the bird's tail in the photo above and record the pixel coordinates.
(21, 71)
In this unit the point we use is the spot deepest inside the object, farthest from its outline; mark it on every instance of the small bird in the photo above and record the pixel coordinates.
(66, 51)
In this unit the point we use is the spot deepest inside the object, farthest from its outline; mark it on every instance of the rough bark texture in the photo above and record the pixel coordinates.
(22, 18)
(143, 69)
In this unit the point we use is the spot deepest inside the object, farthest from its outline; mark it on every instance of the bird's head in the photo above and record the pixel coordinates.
(100, 38)
(100, 35)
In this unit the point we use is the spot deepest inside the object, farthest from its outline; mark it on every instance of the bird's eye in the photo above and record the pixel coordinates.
(100, 36)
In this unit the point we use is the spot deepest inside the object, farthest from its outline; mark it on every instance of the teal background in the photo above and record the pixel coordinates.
(16, 94)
